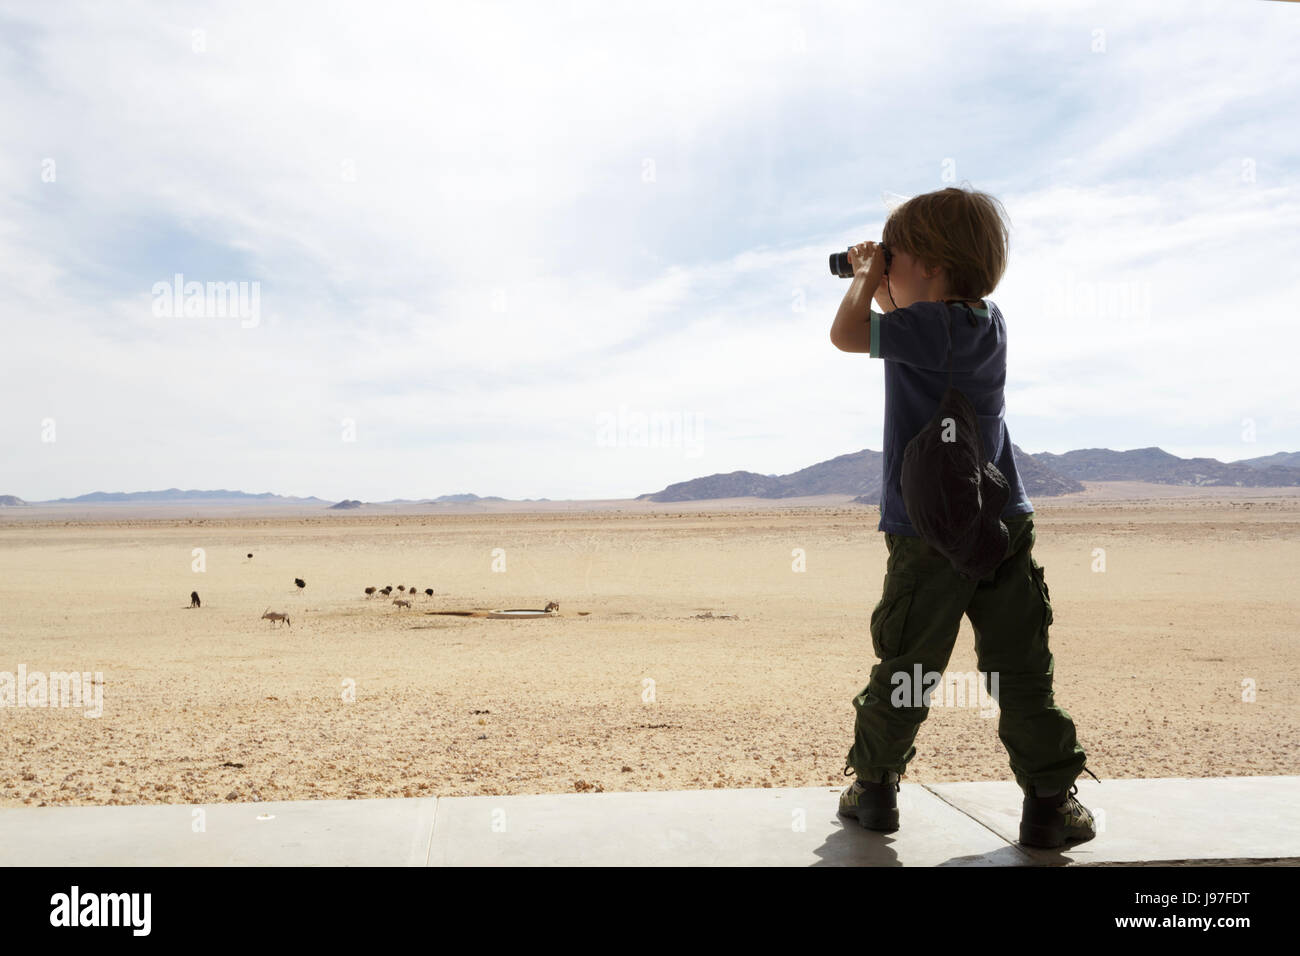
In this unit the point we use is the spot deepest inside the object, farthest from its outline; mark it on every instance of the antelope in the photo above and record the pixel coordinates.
(400, 603)
(553, 606)
(275, 616)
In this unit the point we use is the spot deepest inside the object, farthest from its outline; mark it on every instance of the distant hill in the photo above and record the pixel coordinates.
(842, 475)
(11, 501)
(1161, 468)
(176, 495)
(173, 494)
(856, 473)
(1039, 479)
(1283, 459)
(735, 484)
(1043, 475)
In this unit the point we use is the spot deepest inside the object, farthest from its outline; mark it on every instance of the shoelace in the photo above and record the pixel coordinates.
(849, 771)
(1071, 802)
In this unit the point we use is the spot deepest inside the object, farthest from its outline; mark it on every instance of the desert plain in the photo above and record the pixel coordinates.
(688, 651)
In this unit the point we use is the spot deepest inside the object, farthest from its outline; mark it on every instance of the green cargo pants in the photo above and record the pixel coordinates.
(916, 622)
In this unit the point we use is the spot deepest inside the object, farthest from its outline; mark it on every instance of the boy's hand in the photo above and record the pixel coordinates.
(866, 258)
(851, 331)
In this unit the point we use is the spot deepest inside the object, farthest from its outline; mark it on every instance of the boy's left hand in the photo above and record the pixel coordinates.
(867, 259)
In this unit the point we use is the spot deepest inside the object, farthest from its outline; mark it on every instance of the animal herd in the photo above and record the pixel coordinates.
(388, 590)
(275, 617)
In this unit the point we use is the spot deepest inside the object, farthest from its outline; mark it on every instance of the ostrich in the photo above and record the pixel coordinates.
(300, 582)
(429, 591)
(387, 591)
(553, 606)
(194, 599)
(370, 592)
(250, 554)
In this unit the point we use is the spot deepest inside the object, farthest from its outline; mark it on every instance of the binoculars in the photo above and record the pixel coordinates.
(841, 267)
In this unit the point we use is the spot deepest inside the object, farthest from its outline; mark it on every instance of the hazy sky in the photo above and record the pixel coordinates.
(485, 240)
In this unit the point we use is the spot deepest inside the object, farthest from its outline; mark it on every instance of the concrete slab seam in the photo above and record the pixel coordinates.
(1028, 857)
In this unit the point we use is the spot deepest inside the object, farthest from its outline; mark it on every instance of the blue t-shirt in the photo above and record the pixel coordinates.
(913, 341)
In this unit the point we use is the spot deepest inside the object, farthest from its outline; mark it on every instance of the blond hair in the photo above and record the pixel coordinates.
(962, 231)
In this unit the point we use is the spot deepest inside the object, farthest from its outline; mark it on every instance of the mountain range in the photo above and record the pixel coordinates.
(224, 496)
(1044, 475)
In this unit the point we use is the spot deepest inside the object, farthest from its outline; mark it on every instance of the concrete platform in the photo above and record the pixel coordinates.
(295, 833)
(776, 827)
(949, 824)
(1169, 818)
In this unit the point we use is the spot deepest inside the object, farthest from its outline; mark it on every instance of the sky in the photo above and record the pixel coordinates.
(579, 249)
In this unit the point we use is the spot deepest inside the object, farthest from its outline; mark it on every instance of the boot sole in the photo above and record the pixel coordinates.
(880, 820)
(1049, 838)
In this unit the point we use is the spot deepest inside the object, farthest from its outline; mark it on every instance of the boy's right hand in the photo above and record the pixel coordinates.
(866, 257)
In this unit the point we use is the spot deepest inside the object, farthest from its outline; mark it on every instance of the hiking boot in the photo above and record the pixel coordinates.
(873, 804)
(1055, 821)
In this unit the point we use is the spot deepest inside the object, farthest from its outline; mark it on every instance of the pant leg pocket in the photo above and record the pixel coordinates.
(1040, 580)
(889, 619)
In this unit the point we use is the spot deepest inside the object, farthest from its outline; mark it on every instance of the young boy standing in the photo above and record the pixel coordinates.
(942, 253)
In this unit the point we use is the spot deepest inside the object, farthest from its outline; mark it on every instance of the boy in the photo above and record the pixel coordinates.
(943, 252)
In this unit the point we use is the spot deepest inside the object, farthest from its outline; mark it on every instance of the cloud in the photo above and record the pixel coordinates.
(477, 230)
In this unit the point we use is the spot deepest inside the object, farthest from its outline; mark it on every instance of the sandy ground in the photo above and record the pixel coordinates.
(629, 688)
